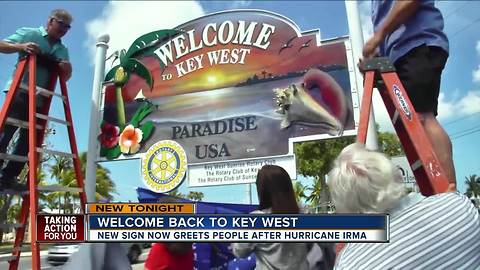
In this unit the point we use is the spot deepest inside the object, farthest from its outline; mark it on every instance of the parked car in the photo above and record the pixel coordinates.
(59, 254)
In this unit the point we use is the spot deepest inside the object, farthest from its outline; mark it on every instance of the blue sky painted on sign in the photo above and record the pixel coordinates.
(459, 101)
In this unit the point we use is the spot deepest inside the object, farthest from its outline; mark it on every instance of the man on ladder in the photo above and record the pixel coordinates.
(411, 34)
(45, 41)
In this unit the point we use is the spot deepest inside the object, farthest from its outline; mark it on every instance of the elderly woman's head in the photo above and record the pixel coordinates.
(364, 181)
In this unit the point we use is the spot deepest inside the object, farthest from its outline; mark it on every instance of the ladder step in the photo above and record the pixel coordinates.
(13, 157)
(7, 258)
(395, 117)
(25, 248)
(53, 119)
(8, 226)
(53, 152)
(20, 123)
(42, 91)
(40, 150)
(417, 164)
(13, 192)
(59, 188)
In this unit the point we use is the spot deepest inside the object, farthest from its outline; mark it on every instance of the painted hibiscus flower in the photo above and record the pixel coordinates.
(109, 136)
(130, 140)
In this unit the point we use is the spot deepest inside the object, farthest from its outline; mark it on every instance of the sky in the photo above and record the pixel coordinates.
(459, 102)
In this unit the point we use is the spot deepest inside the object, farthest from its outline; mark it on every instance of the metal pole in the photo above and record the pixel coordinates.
(356, 39)
(91, 168)
(249, 193)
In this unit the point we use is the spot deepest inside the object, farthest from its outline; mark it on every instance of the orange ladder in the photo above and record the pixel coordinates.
(380, 73)
(37, 122)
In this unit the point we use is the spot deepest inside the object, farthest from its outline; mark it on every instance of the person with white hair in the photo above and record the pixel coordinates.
(436, 232)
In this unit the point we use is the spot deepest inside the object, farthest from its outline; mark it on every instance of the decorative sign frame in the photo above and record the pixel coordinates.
(234, 89)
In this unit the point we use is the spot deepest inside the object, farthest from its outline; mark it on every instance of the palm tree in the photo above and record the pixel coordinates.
(104, 186)
(473, 186)
(320, 195)
(195, 196)
(57, 169)
(128, 64)
(264, 73)
(315, 193)
(299, 190)
(63, 171)
(175, 193)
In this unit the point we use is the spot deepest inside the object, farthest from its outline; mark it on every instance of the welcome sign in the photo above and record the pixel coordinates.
(224, 95)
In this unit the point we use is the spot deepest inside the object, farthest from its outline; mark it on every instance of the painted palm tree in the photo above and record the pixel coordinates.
(142, 46)
(473, 186)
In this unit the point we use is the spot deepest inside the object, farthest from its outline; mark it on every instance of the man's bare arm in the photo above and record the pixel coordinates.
(398, 15)
(66, 68)
(28, 47)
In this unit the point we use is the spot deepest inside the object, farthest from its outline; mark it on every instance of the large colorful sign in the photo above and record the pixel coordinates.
(233, 89)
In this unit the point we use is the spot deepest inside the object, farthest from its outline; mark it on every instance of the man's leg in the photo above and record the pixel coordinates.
(420, 71)
(5, 138)
(18, 111)
(442, 145)
(14, 168)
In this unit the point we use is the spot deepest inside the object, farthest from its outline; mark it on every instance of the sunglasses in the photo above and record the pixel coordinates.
(62, 24)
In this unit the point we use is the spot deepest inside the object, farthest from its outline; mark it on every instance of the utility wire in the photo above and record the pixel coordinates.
(463, 131)
(465, 28)
(466, 134)
(460, 119)
(456, 10)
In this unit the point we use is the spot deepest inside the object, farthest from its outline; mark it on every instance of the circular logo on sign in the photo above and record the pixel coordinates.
(164, 166)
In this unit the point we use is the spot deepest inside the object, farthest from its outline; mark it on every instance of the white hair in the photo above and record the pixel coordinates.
(364, 181)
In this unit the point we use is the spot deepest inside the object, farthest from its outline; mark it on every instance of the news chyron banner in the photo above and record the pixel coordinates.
(216, 98)
(179, 222)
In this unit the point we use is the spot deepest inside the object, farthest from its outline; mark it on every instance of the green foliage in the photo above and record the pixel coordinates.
(195, 196)
(146, 128)
(129, 64)
(141, 113)
(299, 191)
(175, 193)
(389, 144)
(111, 73)
(473, 186)
(314, 157)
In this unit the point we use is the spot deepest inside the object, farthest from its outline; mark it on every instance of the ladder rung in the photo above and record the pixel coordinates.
(13, 192)
(395, 117)
(59, 188)
(19, 123)
(13, 157)
(25, 248)
(53, 152)
(8, 226)
(417, 164)
(48, 118)
(7, 258)
(42, 91)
